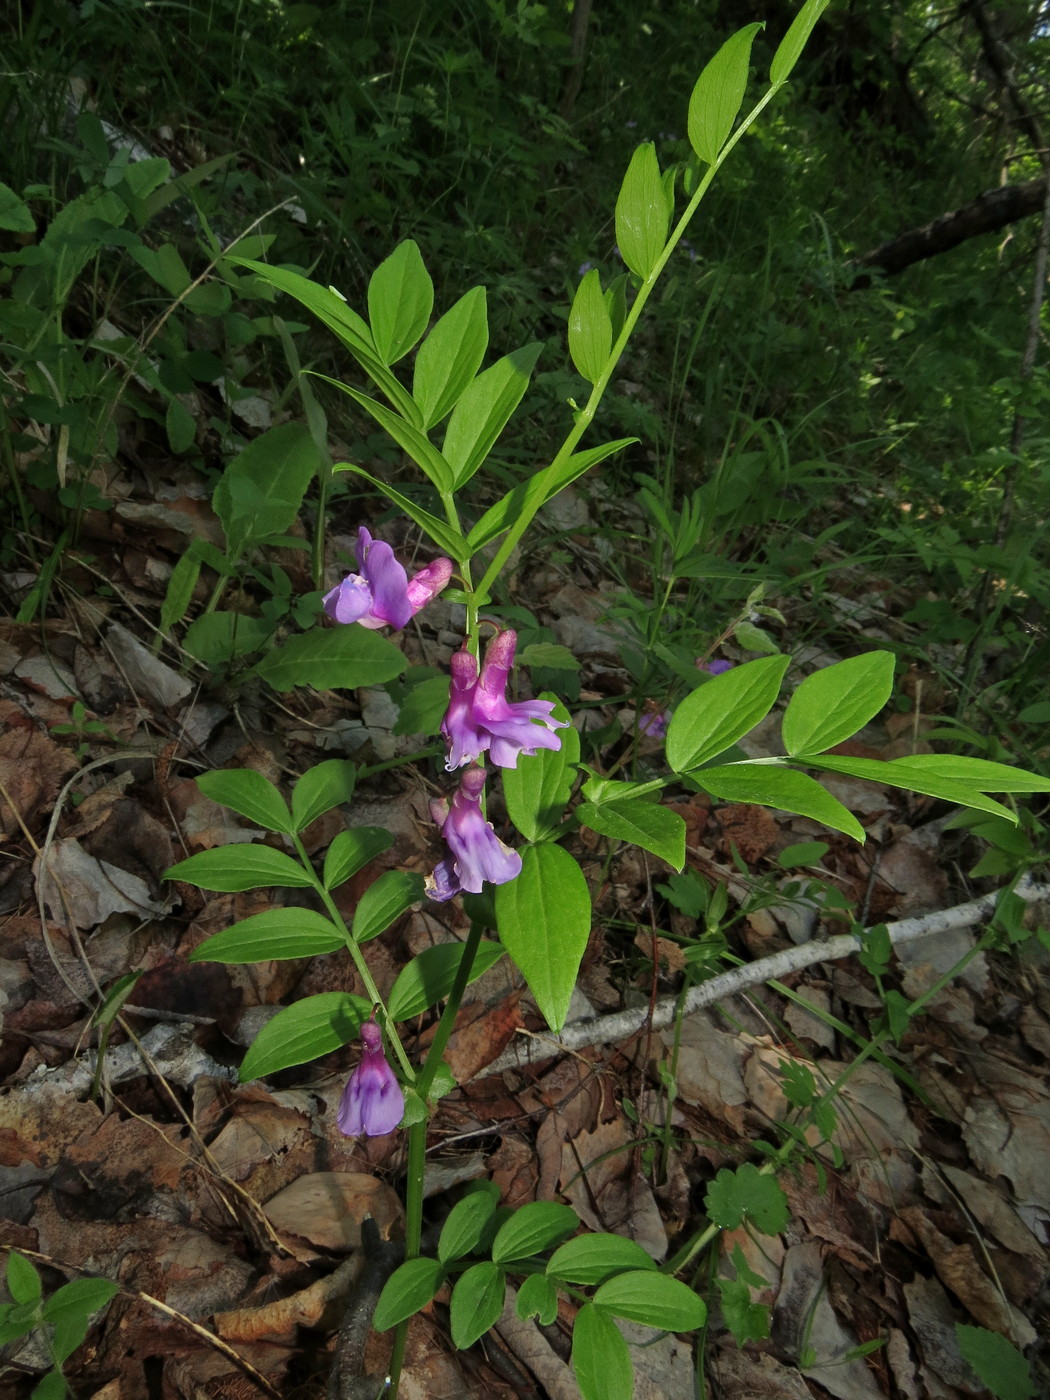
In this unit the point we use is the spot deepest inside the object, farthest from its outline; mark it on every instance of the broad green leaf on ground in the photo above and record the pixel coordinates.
(765, 785)
(477, 1301)
(997, 1362)
(722, 711)
(450, 541)
(450, 357)
(795, 40)
(533, 1228)
(654, 1300)
(484, 409)
(747, 1194)
(748, 1321)
(718, 93)
(219, 637)
(232, 869)
(544, 922)
(260, 492)
(385, 900)
(835, 702)
(424, 707)
(275, 933)
(400, 300)
(351, 850)
(304, 1031)
(69, 1311)
(324, 786)
(466, 1223)
(591, 1259)
(539, 489)
(23, 1281)
(537, 790)
(538, 1298)
(647, 824)
(590, 329)
(331, 658)
(408, 1290)
(642, 213)
(914, 777)
(600, 1357)
(428, 978)
(15, 214)
(248, 793)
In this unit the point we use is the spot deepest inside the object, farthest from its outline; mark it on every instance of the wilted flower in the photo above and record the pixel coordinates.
(382, 595)
(654, 723)
(714, 668)
(477, 853)
(372, 1101)
(480, 717)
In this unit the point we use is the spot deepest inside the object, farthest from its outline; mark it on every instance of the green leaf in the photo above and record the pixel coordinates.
(646, 824)
(275, 933)
(405, 433)
(69, 1310)
(260, 492)
(231, 869)
(385, 900)
(444, 536)
(23, 1281)
(642, 213)
(539, 489)
(477, 1301)
(998, 1363)
(722, 711)
(974, 772)
(592, 1259)
(537, 1297)
(718, 93)
(322, 787)
(407, 1291)
(750, 1194)
(912, 778)
(400, 300)
(533, 1228)
(600, 1357)
(748, 1321)
(802, 853)
(544, 922)
(307, 1029)
(52, 1386)
(428, 978)
(484, 410)
(654, 1300)
(537, 790)
(331, 308)
(248, 793)
(783, 788)
(217, 638)
(15, 214)
(450, 357)
(423, 708)
(590, 328)
(331, 658)
(795, 40)
(465, 1224)
(351, 850)
(832, 704)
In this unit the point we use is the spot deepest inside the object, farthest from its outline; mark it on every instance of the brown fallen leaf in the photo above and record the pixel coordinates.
(327, 1208)
(32, 770)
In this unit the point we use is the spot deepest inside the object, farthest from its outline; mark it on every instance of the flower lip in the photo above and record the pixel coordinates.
(381, 593)
(476, 853)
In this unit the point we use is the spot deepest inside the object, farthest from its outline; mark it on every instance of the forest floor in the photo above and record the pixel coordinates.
(231, 1214)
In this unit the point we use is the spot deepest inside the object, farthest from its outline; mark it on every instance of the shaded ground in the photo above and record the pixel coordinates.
(238, 1208)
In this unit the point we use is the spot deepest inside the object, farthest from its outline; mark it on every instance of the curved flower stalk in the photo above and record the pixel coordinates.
(372, 1101)
(382, 595)
(476, 852)
(480, 717)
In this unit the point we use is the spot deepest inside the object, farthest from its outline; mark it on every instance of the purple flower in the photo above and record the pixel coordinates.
(382, 595)
(372, 1101)
(476, 852)
(480, 716)
(654, 723)
(714, 668)
(584, 268)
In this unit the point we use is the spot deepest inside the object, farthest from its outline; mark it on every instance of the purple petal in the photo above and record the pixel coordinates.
(428, 583)
(389, 584)
(348, 601)
(443, 883)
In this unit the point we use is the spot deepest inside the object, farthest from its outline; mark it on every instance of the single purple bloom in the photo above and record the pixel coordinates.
(714, 668)
(476, 852)
(372, 1101)
(584, 268)
(654, 723)
(480, 717)
(381, 594)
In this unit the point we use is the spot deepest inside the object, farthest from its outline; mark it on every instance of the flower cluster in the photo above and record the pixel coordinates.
(480, 719)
